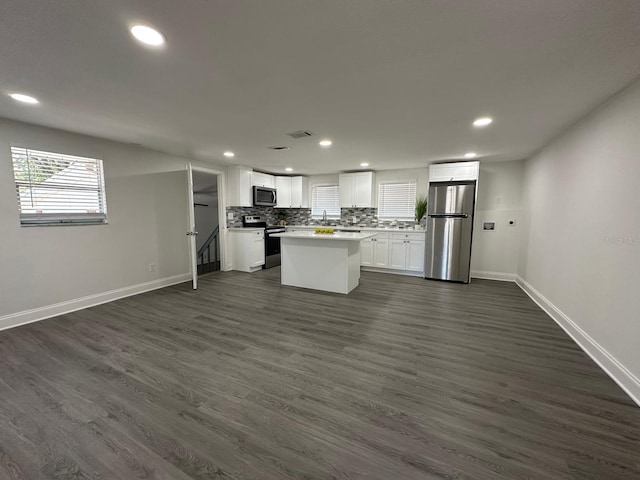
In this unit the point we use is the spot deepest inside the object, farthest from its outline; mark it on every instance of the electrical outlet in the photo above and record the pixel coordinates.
(230, 216)
(152, 267)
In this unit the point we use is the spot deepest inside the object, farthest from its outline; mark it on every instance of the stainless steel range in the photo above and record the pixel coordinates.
(271, 244)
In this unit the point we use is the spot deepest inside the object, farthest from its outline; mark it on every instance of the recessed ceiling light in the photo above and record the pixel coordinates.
(470, 155)
(147, 35)
(325, 143)
(229, 154)
(288, 169)
(21, 97)
(364, 164)
(482, 121)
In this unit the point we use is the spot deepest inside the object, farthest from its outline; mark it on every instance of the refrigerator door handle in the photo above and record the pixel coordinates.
(449, 215)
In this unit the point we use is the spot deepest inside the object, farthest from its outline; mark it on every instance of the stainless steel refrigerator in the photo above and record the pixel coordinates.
(450, 230)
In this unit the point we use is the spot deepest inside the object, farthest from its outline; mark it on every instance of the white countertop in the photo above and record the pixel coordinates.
(247, 229)
(362, 229)
(345, 236)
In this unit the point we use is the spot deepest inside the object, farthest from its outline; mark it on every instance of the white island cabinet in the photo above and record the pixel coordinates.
(328, 262)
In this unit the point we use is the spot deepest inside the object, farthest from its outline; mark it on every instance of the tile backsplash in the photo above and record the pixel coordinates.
(364, 217)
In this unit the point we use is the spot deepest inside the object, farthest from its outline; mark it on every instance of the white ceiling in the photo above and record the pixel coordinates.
(396, 83)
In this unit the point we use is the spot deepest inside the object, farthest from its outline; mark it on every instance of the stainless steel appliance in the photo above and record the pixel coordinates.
(264, 197)
(450, 230)
(271, 244)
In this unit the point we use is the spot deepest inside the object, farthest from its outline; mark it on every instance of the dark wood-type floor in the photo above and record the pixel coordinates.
(245, 379)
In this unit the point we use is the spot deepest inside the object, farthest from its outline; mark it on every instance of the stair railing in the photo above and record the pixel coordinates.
(205, 251)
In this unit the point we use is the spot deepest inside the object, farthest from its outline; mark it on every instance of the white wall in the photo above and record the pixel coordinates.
(495, 253)
(581, 251)
(44, 266)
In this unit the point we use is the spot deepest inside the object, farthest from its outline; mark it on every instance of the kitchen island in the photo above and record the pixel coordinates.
(321, 261)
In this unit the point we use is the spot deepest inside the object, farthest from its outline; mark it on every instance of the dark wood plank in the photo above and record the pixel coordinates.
(246, 379)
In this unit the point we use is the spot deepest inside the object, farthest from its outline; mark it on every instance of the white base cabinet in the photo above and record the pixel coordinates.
(248, 249)
(406, 252)
(374, 252)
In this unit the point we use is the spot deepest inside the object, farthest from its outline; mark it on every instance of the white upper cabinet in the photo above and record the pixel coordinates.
(239, 187)
(292, 192)
(356, 190)
(283, 192)
(447, 172)
(299, 192)
(263, 180)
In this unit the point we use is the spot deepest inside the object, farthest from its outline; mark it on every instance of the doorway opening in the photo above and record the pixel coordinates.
(207, 222)
(206, 207)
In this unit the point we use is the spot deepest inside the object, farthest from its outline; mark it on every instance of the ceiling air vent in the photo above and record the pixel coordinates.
(278, 147)
(300, 134)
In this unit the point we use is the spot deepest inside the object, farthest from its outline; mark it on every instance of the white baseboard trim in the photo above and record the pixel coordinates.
(611, 366)
(42, 313)
(500, 276)
(392, 271)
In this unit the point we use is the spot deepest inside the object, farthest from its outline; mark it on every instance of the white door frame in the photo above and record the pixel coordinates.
(222, 218)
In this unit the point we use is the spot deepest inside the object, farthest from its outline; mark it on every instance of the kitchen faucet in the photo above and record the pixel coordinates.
(324, 217)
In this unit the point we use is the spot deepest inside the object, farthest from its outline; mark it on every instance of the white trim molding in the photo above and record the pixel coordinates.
(611, 366)
(48, 311)
(500, 276)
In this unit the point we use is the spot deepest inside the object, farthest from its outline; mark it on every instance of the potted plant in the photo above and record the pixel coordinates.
(421, 209)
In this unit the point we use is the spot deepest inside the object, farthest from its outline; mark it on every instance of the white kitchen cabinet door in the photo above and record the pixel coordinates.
(381, 251)
(256, 251)
(239, 186)
(415, 256)
(356, 190)
(407, 251)
(346, 190)
(363, 189)
(397, 254)
(299, 192)
(460, 171)
(366, 252)
(263, 180)
(283, 192)
(374, 252)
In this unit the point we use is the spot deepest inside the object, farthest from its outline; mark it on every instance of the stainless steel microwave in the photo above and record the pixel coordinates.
(264, 197)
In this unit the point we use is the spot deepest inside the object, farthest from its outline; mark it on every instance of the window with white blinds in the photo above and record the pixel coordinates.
(325, 198)
(54, 188)
(397, 200)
